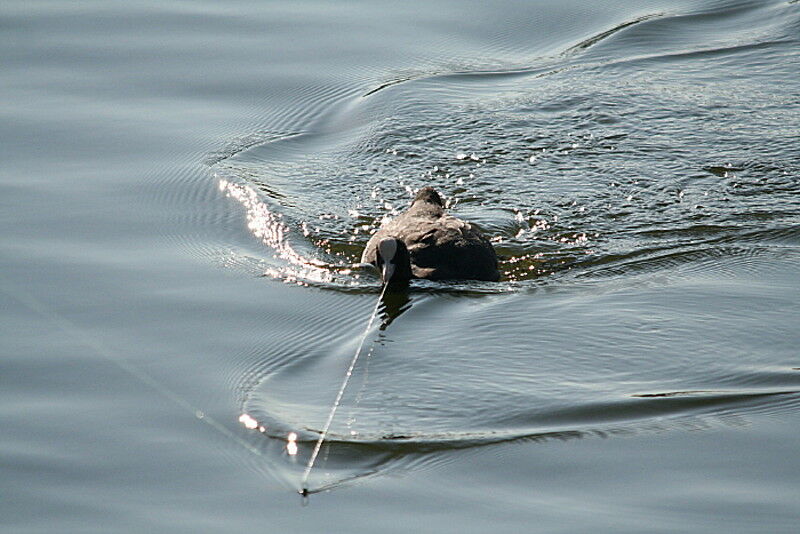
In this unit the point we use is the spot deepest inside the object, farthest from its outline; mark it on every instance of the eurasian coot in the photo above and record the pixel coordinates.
(426, 242)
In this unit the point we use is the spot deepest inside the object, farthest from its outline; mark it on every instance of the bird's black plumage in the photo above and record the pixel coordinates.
(440, 246)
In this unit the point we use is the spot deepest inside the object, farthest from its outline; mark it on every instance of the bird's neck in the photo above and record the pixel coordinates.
(426, 209)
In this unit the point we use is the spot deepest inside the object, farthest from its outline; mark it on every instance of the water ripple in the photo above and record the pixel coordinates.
(622, 179)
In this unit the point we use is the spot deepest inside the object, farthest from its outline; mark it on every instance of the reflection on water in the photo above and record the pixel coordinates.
(393, 304)
(291, 444)
(248, 422)
(635, 167)
(268, 226)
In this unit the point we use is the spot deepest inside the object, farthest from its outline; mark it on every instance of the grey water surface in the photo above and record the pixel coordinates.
(187, 185)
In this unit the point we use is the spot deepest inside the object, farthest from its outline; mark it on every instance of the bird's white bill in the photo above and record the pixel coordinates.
(388, 271)
(387, 249)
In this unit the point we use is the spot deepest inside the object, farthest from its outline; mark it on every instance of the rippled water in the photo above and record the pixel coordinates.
(188, 191)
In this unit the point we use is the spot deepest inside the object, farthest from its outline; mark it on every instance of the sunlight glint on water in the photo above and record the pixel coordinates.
(187, 187)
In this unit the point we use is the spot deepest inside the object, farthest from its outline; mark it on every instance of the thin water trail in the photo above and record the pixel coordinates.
(77, 333)
(80, 335)
(304, 481)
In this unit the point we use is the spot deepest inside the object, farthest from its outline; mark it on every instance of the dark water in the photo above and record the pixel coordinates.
(186, 188)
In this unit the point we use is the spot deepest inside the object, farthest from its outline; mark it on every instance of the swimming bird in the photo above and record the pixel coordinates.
(426, 242)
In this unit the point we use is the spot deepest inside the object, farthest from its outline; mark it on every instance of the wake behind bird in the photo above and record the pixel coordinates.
(304, 491)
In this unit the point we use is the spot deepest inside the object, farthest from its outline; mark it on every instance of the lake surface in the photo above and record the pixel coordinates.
(185, 190)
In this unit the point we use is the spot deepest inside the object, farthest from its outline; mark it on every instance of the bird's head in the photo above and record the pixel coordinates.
(394, 262)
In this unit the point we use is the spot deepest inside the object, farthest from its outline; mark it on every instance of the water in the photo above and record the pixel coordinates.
(186, 188)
